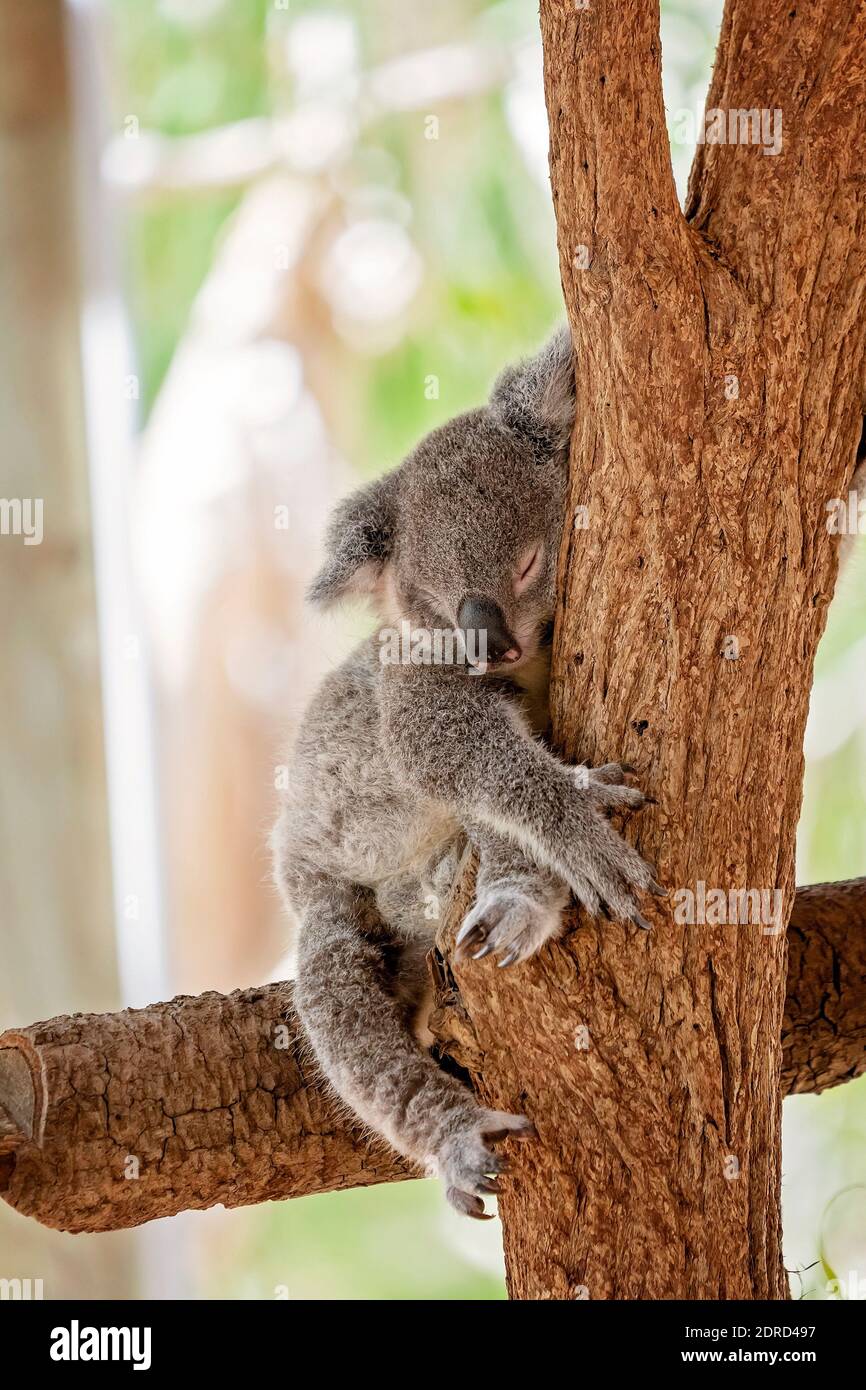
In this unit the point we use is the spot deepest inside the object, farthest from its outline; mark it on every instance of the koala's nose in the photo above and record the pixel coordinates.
(483, 616)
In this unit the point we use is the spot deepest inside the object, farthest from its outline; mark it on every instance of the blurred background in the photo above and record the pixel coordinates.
(250, 251)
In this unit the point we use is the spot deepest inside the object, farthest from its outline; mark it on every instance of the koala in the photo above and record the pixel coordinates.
(397, 760)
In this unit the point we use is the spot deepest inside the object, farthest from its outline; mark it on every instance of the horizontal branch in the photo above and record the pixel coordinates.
(123, 1118)
(111, 1120)
(824, 1028)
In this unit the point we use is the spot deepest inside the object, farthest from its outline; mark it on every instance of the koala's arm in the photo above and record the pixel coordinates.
(518, 905)
(502, 862)
(464, 742)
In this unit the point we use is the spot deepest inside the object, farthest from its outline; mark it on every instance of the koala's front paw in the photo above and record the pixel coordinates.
(512, 923)
(468, 1165)
(605, 871)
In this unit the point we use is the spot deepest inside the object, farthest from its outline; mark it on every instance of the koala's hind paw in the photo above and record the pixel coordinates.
(468, 1165)
(509, 922)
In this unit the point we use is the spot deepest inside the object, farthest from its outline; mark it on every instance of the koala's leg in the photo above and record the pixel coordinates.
(359, 1030)
(518, 905)
(470, 747)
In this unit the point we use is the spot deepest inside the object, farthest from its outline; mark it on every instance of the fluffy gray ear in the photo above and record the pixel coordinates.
(535, 398)
(358, 544)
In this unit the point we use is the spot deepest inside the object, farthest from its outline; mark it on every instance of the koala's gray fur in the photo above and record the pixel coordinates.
(395, 761)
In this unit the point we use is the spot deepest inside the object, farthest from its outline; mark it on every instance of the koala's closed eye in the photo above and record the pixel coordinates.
(529, 567)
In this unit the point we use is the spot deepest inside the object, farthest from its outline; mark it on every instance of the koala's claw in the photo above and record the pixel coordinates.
(467, 1204)
(469, 1166)
(472, 933)
(509, 922)
(491, 1185)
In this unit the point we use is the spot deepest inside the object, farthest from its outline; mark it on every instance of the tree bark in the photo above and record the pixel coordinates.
(720, 388)
(117, 1119)
(107, 1121)
(824, 1028)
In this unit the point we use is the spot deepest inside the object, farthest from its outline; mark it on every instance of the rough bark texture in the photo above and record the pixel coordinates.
(824, 1029)
(215, 1101)
(658, 1171)
(126, 1117)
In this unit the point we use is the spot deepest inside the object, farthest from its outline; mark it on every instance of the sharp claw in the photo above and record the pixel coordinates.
(627, 767)
(490, 1185)
(512, 956)
(657, 890)
(650, 801)
(485, 951)
(470, 934)
(641, 921)
(468, 1204)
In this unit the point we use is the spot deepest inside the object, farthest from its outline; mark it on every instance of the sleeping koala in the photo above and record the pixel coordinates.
(397, 758)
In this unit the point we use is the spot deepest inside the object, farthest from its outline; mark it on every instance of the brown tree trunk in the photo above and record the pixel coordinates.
(110, 1120)
(720, 365)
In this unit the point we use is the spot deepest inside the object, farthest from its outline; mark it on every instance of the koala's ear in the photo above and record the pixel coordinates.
(358, 544)
(535, 398)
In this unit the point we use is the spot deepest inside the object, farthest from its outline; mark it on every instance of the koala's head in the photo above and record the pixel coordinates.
(465, 533)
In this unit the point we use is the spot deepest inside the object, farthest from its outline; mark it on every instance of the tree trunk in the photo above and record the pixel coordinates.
(720, 364)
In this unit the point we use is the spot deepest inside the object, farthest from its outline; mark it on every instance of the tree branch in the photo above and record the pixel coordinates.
(800, 71)
(110, 1120)
(122, 1118)
(614, 193)
(824, 1029)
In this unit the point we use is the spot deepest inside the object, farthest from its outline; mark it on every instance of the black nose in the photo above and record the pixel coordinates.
(482, 622)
